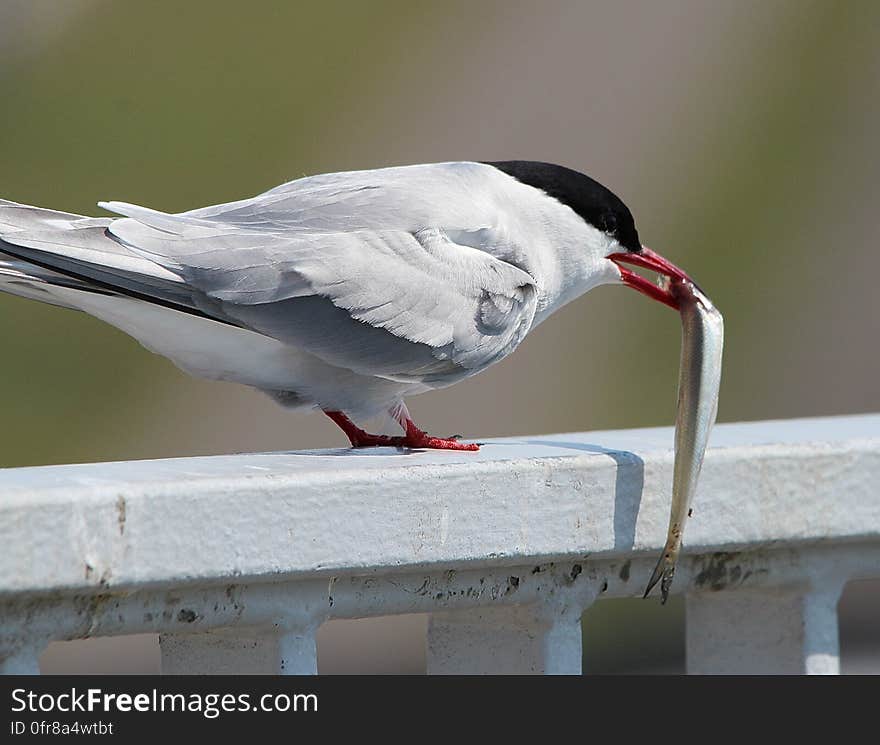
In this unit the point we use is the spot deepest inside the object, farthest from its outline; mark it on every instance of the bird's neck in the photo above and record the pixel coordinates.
(570, 259)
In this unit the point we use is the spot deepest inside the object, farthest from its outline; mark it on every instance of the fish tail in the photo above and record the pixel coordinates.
(663, 573)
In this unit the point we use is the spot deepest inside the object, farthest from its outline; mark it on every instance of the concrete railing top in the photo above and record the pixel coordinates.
(235, 561)
(276, 516)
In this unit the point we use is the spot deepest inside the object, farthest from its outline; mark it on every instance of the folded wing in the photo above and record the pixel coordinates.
(397, 303)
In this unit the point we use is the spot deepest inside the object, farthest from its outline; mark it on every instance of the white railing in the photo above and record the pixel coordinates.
(236, 560)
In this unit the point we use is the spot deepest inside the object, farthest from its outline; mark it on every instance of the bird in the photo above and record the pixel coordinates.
(346, 292)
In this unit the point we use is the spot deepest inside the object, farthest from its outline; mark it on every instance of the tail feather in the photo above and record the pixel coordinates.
(81, 248)
(29, 281)
(15, 216)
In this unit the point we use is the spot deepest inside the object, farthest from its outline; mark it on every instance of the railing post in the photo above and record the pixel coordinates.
(24, 660)
(505, 640)
(241, 652)
(768, 631)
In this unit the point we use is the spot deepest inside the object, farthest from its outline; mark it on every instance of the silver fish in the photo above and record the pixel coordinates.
(702, 340)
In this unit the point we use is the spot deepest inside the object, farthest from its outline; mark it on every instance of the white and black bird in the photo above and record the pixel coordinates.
(345, 291)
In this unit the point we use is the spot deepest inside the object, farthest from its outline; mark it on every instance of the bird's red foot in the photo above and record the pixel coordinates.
(414, 437)
(360, 438)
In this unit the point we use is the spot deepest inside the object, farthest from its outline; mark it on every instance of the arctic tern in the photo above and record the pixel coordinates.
(345, 291)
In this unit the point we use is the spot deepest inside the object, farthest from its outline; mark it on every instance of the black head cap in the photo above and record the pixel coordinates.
(599, 206)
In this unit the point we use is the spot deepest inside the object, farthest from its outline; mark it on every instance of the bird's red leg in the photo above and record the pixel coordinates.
(414, 437)
(361, 439)
(417, 438)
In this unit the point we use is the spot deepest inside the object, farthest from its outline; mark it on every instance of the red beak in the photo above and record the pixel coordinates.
(647, 259)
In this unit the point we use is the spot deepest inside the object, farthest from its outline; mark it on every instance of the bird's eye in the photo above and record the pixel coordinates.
(610, 223)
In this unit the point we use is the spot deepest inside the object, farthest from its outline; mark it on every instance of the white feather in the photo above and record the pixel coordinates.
(350, 290)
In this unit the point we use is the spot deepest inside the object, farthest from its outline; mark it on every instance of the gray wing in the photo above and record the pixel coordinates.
(79, 248)
(405, 273)
(398, 303)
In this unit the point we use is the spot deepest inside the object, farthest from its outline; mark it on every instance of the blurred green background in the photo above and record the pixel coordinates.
(742, 134)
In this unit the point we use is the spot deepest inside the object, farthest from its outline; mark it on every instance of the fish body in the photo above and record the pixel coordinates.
(699, 380)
